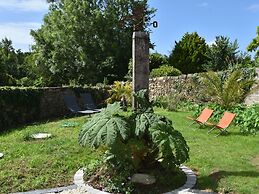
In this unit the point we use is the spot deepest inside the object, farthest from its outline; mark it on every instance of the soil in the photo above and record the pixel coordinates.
(255, 161)
(165, 180)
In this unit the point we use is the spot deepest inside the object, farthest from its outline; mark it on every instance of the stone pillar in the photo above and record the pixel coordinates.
(140, 59)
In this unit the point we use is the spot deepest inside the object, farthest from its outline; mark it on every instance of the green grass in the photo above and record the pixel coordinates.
(38, 164)
(223, 163)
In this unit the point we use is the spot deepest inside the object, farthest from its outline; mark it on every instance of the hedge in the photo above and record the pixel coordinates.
(20, 106)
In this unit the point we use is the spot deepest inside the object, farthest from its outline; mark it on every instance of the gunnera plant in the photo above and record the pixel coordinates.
(135, 140)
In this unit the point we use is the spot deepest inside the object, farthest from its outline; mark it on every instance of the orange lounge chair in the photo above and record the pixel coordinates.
(224, 122)
(203, 118)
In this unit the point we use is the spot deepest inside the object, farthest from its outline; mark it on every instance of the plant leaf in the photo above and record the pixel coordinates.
(173, 149)
(104, 128)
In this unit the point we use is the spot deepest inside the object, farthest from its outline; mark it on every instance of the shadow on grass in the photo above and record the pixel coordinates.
(211, 182)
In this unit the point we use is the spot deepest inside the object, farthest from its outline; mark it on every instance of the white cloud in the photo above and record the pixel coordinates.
(24, 5)
(204, 4)
(210, 42)
(19, 33)
(254, 8)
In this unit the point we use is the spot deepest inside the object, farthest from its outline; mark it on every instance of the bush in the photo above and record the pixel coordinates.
(119, 91)
(226, 88)
(246, 117)
(165, 70)
(18, 105)
(23, 105)
(157, 60)
(140, 139)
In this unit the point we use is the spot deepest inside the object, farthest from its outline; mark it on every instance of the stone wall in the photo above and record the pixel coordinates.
(170, 85)
(253, 97)
(188, 87)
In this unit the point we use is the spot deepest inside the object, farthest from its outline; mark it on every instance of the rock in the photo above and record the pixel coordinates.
(41, 135)
(1, 155)
(144, 179)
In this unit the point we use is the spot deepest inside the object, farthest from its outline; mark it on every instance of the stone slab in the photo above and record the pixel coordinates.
(41, 135)
(53, 190)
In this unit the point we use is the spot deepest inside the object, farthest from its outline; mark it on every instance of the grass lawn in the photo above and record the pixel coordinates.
(38, 164)
(225, 164)
(228, 163)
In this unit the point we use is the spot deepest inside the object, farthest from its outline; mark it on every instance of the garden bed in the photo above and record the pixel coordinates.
(111, 181)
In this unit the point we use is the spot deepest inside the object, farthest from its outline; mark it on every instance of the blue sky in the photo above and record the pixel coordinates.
(236, 19)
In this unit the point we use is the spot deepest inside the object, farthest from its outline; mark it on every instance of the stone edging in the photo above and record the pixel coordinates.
(190, 182)
(45, 191)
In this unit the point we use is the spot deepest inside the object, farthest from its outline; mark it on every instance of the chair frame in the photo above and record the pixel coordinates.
(71, 104)
(88, 101)
(226, 120)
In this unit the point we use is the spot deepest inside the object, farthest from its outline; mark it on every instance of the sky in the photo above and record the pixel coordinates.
(236, 19)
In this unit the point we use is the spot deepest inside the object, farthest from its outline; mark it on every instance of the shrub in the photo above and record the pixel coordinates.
(246, 117)
(226, 89)
(18, 105)
(120, 90)
(23, 105)
(157, 60)
(140, 139)
(165, 70)
(175, 103)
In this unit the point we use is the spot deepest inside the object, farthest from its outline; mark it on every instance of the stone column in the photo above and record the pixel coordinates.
(140, 59)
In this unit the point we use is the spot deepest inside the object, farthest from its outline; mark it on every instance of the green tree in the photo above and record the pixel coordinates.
(254, 45)
(189, 54)
(156, 60)
(8, 63)
(85, 41)
(222, 54)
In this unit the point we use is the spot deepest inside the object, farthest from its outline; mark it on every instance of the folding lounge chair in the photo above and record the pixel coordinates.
(203, 117)
(72, 105)
(224, 123)
(88, 102)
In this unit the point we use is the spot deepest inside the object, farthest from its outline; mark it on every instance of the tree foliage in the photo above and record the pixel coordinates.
(8, 62)
(156, 60)
(85, 41)
(222, 54)
(254, 45)
(189, 54)
(15, 68)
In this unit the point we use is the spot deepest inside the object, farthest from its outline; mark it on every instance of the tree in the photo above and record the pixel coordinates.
(8, 63)
(254, 45)
(222, 54)
(85, 41)
(189, 54)
(156, 60)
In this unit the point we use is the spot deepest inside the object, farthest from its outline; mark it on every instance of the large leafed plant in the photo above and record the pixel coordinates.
(138, 139)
